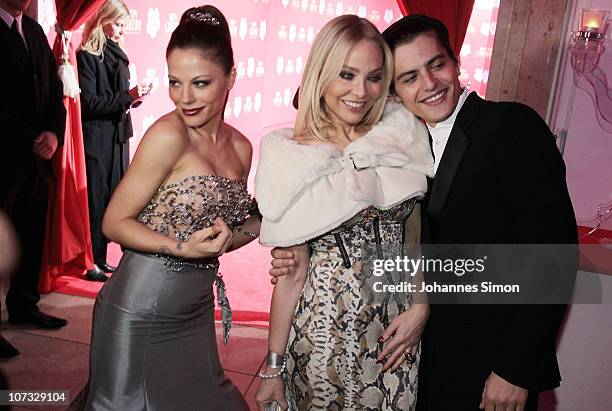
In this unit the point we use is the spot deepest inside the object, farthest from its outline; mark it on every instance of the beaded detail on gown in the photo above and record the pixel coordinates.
(182, 208)
(333, 340)
(153, 337)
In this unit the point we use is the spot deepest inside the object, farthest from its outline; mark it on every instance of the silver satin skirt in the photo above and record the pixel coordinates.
(153, 341)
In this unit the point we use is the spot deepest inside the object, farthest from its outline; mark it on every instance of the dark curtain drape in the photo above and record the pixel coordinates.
(454, 14)
(67, 239)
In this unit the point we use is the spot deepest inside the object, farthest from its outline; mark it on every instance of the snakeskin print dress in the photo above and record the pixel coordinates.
(333, 342)
(153, 339)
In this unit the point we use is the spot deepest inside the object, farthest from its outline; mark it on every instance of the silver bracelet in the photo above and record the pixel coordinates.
(274, 360)
(246, 233)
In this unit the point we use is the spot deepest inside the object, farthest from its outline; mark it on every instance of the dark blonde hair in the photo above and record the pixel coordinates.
(94, 39)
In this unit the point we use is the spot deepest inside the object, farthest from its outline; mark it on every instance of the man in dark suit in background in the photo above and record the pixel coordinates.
(32, 117)
(499, 180)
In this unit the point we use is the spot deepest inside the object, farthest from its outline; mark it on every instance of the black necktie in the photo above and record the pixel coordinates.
(17, 38)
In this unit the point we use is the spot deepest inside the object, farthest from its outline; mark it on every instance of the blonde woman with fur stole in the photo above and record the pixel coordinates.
(341, 179)
(182, 203)
(107, 126)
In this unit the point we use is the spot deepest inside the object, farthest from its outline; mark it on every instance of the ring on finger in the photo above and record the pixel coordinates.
(410, 357)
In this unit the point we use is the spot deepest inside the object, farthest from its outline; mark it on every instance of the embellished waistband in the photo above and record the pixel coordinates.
(178, 264)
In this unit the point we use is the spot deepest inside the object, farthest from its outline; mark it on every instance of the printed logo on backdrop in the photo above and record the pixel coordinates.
(153, 22)
(242, 31)
(487, 28)
(260, 71)
(151, 77)
(262, 30)
(165, 79)
(374, 16)
(388, 16)
(278, 99)
(47, 15)
(250, 67)
(172, 23)
(298, 65)
(257, 104)
(289, 68)
(466, 50)
(321, 7)
(251, 104)
(233, 28)
(486, 4)
(248, 105)
(253, 30)
(292, 33)
(282, 32)
(133, 74)
(237, 106)
(135, 24)
(314, 6)
(481, 75)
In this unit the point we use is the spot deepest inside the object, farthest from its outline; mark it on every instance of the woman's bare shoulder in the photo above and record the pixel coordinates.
(166, 137)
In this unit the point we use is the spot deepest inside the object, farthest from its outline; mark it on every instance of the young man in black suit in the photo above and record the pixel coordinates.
(499, 180)
(33, 120)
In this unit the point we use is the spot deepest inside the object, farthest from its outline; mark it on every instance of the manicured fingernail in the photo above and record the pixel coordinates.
(381, 339)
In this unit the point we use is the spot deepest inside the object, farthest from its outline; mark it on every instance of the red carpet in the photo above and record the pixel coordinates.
(248, 284)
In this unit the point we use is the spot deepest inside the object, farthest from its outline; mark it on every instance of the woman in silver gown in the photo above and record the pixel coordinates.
(341, 181)
(182, 203)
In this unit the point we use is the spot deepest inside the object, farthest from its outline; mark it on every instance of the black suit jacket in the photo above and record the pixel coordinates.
(31, 96)
(501, 180)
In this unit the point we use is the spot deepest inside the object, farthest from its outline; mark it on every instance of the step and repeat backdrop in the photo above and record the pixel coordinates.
(271, 40)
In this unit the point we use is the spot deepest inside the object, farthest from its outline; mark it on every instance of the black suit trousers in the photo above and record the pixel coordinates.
(25, 201)
(442, 400)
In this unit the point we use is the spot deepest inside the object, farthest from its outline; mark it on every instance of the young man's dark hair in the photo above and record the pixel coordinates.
(409, 27)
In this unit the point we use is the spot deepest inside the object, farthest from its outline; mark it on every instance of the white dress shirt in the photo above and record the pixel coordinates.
(441, 132)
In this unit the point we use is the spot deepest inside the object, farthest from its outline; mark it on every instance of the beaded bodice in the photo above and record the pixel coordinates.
(182, 208)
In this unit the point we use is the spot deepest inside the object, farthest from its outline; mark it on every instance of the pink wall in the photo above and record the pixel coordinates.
(588, 149)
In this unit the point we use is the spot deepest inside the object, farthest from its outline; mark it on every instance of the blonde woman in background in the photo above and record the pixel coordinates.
(343, 178)
(105, 100)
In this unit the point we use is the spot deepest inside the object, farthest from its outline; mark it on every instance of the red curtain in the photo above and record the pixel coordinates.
(454, 14)
(67, 238)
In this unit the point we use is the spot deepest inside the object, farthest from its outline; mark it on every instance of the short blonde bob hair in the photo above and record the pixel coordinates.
(94, 39)
(325, 61)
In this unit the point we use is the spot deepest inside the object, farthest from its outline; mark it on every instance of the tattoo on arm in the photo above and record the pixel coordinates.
(165, 250)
